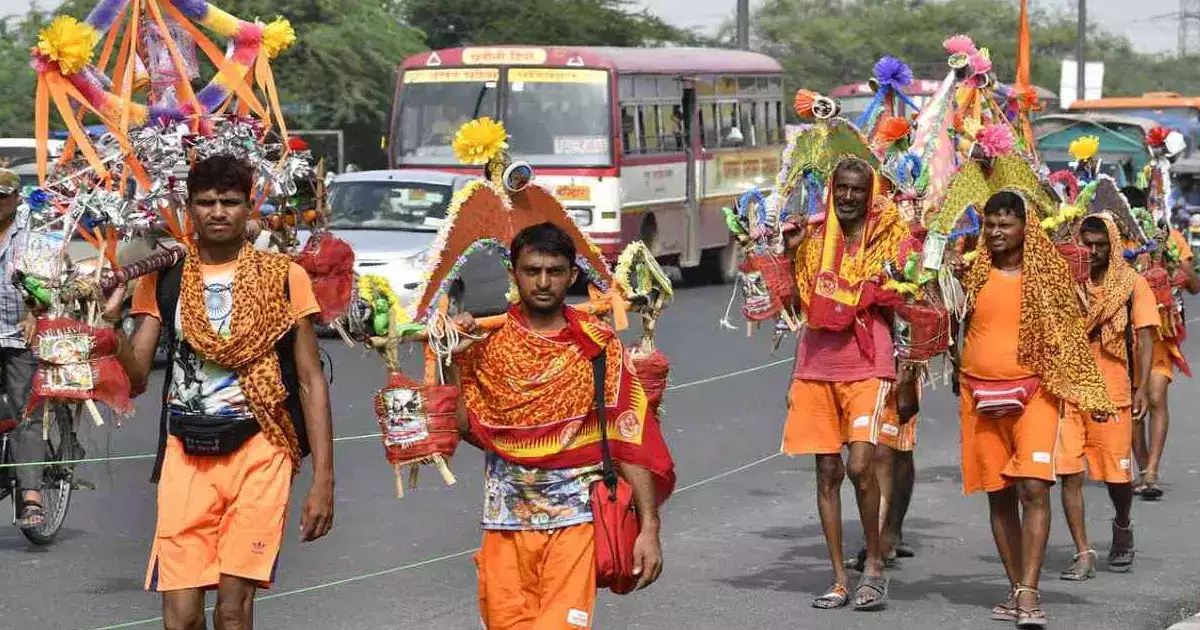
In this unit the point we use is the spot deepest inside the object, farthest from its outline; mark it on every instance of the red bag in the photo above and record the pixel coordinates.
(329, 262)
(1078, 260)
(1160, 284)
(652, 370)
(927, 333)
(417, 421)
(1002, 399)
(768, 283)
(614, 514)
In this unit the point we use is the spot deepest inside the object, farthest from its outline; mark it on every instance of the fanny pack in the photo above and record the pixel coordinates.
(1002, 399)
(206, 435)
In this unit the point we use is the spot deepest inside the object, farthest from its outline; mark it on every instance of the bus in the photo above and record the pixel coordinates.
(1168, 109)
(639, 143)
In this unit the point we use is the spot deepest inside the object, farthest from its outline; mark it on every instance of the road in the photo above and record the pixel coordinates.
(742, 541)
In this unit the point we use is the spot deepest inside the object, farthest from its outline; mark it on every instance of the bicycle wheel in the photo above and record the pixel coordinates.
(57, 479)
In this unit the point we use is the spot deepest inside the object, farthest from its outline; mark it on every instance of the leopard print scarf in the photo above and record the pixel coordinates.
(1052, 341)
(1109, 314)
(261, 316)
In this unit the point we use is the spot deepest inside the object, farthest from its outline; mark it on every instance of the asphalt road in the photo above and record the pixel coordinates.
(742, 541)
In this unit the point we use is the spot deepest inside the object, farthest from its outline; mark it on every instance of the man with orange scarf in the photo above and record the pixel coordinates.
(528, 400)
(845, 366)
(1025, 356)
(244, 400)
(1121, 317)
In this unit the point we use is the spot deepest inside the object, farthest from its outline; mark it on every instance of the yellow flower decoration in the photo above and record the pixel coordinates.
(1084, 148)
(68, 42)
(277, 37)
(480, 140)
(1065, 215)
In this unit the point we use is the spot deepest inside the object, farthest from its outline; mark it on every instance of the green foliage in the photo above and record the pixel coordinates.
(826, 43)
(17, 36)
(453, 23)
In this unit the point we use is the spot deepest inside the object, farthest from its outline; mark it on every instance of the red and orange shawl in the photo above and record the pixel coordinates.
(529, 398)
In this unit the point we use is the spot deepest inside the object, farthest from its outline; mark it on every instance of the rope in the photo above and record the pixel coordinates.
(732, 296)
(444, 338)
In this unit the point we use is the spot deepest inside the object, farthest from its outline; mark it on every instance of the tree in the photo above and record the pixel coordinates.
(825, 43)
(17, 36)
(453, 23)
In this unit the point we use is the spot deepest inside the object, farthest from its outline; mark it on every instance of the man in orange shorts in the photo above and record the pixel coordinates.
(527, 401)
(845, 372)
(1121, 317)
(1149, 452)
(245, 399)
(1025, 355)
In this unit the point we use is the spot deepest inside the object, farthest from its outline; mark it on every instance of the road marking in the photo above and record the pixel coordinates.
(428, 561)
(352, 438)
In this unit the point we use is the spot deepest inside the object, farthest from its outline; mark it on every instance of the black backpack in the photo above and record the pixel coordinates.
(167, 298)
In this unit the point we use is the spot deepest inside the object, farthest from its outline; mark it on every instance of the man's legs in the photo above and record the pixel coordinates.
(904, 477)
(830, 473)
(866, 489)
(884, 465)
(1005, 511)
(1084, 563)
(28, 446)
(1159, 422)
(1035, 530)
(1120, 554)
(235, 604)
(183, 609)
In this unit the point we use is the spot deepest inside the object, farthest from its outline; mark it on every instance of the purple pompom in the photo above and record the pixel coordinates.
(893, 73)
(103, 14)
(194, 9)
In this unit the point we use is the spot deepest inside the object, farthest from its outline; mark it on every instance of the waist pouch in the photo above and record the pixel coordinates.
(1002, 399)
(207, 435)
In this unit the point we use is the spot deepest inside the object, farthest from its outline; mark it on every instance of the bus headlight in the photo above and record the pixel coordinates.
(581, 216)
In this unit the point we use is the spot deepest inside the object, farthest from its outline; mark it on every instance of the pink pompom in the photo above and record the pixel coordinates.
(959, 44)
(980, 64)
(995, 140)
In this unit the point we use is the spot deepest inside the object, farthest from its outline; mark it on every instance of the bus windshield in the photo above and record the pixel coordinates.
(558, 116)
(554, 116)
(435, 103)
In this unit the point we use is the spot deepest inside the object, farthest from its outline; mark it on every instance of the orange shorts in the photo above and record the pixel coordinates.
(896, 436)
(824, 416)
(1105, 445)
(1161, 364)
(537, 580)
(219, 516)
(997, 450)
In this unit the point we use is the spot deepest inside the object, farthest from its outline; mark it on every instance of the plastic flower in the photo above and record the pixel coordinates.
(995, 140)
(277, 37)
(38, 199)
(1084, 148)
(892, 72)
(803, 103)
(69, 43)
(1157, 137)
(959, 44)
(981, 63)
(480, 140)
(891, 129)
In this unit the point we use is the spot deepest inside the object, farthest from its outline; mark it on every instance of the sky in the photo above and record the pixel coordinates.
(1114, 15)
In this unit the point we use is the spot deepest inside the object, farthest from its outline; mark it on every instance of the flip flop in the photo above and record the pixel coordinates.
(835, 598)
(904, 551)
(1031, 618)
(1120, 557)
(859, 561)
(1151, 491)
(1007, 610)
(877, 588)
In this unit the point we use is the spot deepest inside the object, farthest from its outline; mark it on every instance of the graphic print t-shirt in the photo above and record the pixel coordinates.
(200, 386)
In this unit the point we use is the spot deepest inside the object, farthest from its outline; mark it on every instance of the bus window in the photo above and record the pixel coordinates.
(629, 129)
(749, 110)
(651, 130)
(731, 134)
(775, 109)
(435, 103)
(676, 128)
(558, 116)
(708, 125)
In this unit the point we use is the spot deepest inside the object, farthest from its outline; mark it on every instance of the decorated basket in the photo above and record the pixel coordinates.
(418, 425)
(923, 331)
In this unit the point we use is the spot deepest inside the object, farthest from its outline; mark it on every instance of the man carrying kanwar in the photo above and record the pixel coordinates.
(1121, 317)
(845, 368)
(1025, 356)
(528, 399)
(1150, 438)
(245, 399)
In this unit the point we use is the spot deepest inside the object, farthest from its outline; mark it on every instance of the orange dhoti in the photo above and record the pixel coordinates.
(995, 451)
(537, 579)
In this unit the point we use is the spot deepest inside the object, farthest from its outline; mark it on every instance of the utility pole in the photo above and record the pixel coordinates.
(743, 24)
(1080, 49)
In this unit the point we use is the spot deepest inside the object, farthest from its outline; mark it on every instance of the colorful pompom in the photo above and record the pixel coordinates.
(480, 140)
(69, 43)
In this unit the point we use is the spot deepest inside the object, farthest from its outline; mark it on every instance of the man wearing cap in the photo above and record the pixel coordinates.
(16, 361)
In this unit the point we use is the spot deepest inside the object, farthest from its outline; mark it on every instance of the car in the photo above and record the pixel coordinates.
(391, 217)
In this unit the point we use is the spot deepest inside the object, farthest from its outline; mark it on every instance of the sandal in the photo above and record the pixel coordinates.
(859, 561)
(876, 589)
(835, 598)
(1030, 618)
(1006, 611)
(904, 551)
(1076, 572)
(33, 514)
(1151, 491)
(1120, 556)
